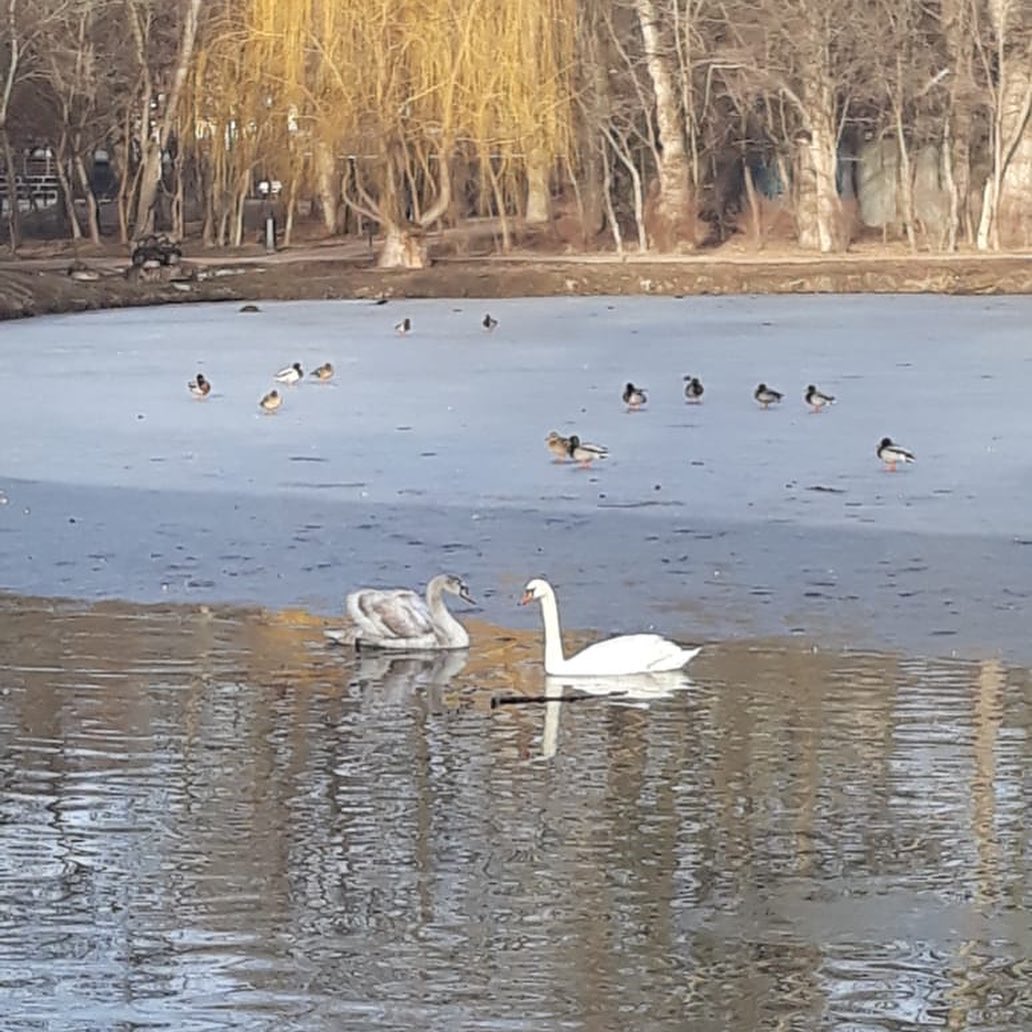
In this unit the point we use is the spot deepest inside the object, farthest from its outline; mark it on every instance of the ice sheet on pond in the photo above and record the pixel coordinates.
(426, 452)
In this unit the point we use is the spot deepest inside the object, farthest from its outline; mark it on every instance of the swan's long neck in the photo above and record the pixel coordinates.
(554, 657)
(448, 630)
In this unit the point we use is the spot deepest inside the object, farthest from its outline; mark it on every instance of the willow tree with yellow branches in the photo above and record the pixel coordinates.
(377, 102)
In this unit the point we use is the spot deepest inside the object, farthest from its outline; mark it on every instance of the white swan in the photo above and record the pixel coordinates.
(400, 619)
(616, 657)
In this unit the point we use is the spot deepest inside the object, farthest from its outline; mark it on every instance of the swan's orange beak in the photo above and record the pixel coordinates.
(526, 599)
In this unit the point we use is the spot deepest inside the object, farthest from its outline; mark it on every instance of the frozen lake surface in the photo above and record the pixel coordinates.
(427, 453)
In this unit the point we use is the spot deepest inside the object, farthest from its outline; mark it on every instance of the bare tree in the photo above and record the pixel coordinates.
(794, 53)
(1005, 48)
(24, 23)
(13, 72)
(893, 73)
(627, 115)
(155, 140)
(652, 111)
(76, 47)
(956, 28)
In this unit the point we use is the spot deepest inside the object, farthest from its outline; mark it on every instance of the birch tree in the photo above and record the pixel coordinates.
(674, 212)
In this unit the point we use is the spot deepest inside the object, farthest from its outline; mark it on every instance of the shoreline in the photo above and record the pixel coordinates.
(36, 286)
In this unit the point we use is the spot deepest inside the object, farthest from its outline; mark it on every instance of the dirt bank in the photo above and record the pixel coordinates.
(42, 287)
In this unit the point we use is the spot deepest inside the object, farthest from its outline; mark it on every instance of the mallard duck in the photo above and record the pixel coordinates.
(324, 372)
(767, 396)
(558, 445)
(199, 387)
(817, 399)
(271, 402)
(616, 657)
(634, 397)
(400, 619)
(693, 388)
(404, 327)
(584, 452)
(489, 322)
(289, 374)
(891, 453)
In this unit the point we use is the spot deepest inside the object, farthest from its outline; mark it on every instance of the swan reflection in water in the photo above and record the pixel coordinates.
(398, 676)
(636, 690)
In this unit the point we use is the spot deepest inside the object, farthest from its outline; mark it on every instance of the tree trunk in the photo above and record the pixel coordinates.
(206, 184)
(240, 208)
(178, 219)
(328, 186)
(11, 171)
(955, 19)
(595, 179)
(906, 182)
(950, 168)
(150, 178)
(92, 210)
(121, 153)
(818, 210)
(67, 194)
(1013, 221)
(288, 218)
(607, 186)
(673, 215)
(539, 196)
(594, 194)
(755, 218)
(499, 198)
(155, 148)
(403, 247)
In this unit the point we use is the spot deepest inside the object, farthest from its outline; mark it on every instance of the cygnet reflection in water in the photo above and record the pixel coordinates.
(396, 677)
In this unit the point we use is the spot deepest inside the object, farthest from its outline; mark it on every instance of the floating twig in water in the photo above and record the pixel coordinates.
(532, 700)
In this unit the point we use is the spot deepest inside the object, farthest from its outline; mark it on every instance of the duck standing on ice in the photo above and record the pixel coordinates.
(289, 374)
(891, 453)
(767, 396)
(634, 397)
(817, 399)
(558, 445)
(584, 452)
(199, 386)
(693, 389)
(271, 402)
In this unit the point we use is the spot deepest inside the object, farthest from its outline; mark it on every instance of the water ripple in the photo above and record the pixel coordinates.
(210, 821)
